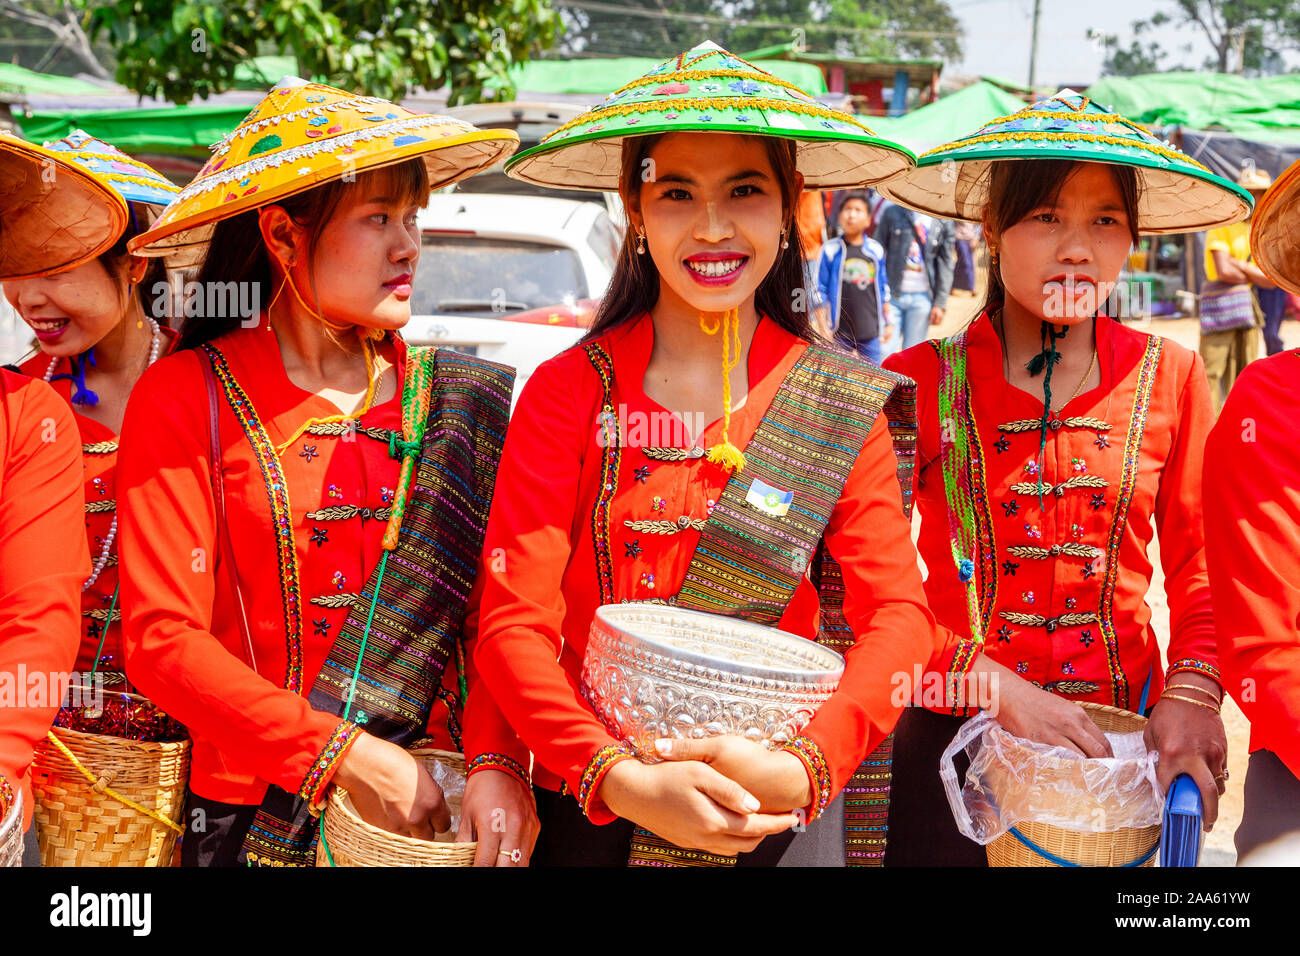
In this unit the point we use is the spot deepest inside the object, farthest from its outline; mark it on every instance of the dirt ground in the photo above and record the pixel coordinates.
(1218, 848)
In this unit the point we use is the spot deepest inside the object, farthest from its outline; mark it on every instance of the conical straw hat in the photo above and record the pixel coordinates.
(304, 134)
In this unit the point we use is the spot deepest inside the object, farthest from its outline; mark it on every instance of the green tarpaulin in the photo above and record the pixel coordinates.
(185, 130)
(1261, 108)
(947, 117)
(23, 82)
(599, 76)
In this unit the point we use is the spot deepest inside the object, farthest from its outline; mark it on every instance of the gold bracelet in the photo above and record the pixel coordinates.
(1218, 698)
(1198, 703)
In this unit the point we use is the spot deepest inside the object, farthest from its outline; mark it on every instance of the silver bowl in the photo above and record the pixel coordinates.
(654, 671)
(11, 833)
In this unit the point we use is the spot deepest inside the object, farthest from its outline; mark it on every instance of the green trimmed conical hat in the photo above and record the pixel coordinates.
(708, 89)
(1178, 194)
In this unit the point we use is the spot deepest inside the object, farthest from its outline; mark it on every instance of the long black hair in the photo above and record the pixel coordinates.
(237, 253)
(634, 287)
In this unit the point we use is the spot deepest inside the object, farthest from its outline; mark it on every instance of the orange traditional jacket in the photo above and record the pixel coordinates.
(1063, 586)
(43, 561)
(541, 587)
(1252, 537)
(99, 446)
(182, 638)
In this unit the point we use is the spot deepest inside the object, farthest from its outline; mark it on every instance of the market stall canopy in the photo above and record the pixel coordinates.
(937, 123)
(597, 76)
(1261, 107)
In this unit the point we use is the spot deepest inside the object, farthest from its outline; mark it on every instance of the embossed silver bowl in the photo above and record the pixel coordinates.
(654, 671)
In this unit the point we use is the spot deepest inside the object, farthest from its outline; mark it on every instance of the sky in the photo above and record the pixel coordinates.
(998, 36)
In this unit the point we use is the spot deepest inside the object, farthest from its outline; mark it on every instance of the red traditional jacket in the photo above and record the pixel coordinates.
(1252, 537)
(43, 561)
(183, 642)
(99, 445)
(1062, 586)
(542, 583)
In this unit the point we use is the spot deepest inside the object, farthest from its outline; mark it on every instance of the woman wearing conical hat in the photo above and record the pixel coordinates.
(43, 554)
(1252, 540)
(97, 329)
(631, 473)
(303, 496)
(1053, 442)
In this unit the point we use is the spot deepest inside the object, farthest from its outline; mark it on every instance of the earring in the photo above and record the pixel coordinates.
(640, 242)
(785, 243)
(993, 256)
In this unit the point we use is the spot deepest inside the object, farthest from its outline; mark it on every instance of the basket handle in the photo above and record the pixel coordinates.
(948, 772)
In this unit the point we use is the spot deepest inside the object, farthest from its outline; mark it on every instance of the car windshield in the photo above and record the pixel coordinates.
(469, 275)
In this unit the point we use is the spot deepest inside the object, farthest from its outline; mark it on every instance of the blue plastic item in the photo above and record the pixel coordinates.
(1180, 834)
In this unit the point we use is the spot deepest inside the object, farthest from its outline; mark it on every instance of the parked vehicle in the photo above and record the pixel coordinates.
(495, 269)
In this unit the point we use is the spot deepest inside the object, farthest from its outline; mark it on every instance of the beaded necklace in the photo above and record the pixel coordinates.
(90, 398)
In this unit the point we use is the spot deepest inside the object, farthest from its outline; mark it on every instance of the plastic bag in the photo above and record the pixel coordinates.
(1012, 781)
(452, 782)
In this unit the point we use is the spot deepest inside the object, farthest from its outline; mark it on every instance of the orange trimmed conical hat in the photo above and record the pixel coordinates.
(54, 215)
(304, 134)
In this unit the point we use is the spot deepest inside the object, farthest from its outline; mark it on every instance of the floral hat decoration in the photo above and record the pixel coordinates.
(133, 180)
(1178, 194)
(1275, 231)
(302, 135)
(54, 214)
(708, 89)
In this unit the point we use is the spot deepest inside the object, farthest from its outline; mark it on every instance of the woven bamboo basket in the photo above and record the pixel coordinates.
(80, 823)
(1115, 848)
(11, 825)
(354, 842)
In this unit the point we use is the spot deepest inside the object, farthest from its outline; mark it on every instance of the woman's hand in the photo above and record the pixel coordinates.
(690, 805)
(1034, 714)
(776, 778)
(498, 812)
(391, 790)
(1191, 740)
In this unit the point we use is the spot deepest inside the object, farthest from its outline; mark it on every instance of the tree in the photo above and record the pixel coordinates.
(192, 47)
(1247, 35)
(663, 28)
(56, 22)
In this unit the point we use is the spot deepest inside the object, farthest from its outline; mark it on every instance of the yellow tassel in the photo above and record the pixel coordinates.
(725, 453)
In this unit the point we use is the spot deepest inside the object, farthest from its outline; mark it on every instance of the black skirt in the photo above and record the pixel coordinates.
(922, 831)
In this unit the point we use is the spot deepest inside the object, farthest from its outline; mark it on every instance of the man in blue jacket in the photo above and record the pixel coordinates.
(852, 294)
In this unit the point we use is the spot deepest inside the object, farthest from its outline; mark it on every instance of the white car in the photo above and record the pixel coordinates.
(491, 265)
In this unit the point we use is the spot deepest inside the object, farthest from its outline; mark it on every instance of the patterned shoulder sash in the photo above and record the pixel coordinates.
(750, 559)
(419, 600)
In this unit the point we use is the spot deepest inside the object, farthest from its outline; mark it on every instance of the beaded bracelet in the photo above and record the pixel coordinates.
(1198, 703)
(819, 775)
(1199, 667)
(605, 758)
(322, 770)
(502, 762)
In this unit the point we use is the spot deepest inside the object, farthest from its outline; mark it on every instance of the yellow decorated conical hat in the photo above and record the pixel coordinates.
(53, 214)
(304, 134)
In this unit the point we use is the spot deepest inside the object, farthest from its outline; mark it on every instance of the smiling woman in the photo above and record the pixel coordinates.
(289, 446)
(1053, 441)
(787, 509)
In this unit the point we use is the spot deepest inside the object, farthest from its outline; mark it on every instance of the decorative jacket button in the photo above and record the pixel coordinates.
(1055, 424)
(684, 521)
(696, 453)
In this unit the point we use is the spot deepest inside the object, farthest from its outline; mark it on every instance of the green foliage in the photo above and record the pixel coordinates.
(187, 48)
(1247, 36)
(664, 28)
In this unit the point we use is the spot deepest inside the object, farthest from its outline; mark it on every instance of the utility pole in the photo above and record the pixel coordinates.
(1033, 45)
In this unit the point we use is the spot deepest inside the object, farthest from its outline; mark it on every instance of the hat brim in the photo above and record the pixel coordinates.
(594, 161)
(1275, 231)
(1171, 201)
(184, 239)
(51, 223)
